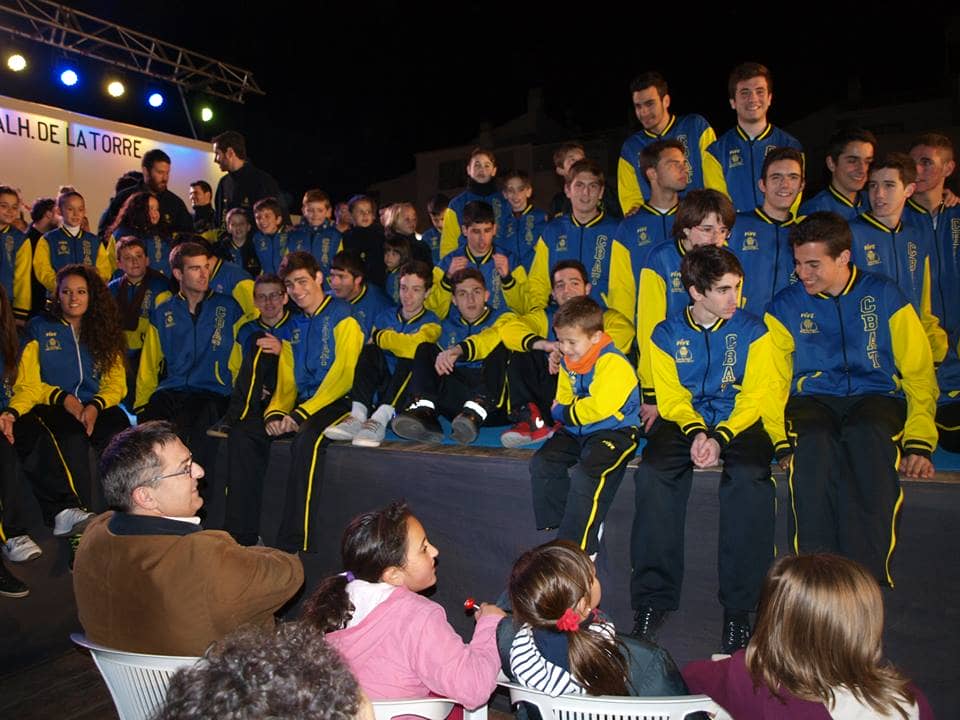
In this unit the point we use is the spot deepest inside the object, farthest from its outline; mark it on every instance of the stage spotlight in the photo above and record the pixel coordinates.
(206, 114)
(16, 62)
(69, 78)
(116, 89)
(155, 100)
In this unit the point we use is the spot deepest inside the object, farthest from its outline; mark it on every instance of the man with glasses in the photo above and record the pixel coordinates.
(147, 578)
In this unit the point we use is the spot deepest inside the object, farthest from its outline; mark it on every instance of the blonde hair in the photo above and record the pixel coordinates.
(551, 579)
(819, 627)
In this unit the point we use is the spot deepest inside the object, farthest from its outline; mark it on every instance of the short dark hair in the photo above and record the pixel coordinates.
(128, 241)
(586, 165)
(203, 185)
(704, 266)
(582, 312)
(648, 79)
(361, 198)
(650, 154)
(131, 461)
(232, 139)
(187, 250)
(934, 140)
(781, 153)
(482, 151)
(316, 195)
(267, 279)
(348, 261)
(569, 265)
(520, 175)
(697, 204)
(564, 149)
(437, 203)
(468, 273)
(901, 162)
(298, 260)
(746, 71)
(840, 139)
(285, 672)
(823, 227)
(269, 203)
(41, 207)
(478, 211)
(418, 268)
(152, 157)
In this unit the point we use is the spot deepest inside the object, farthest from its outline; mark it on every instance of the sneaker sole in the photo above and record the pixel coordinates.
(515, 440)
(366, 442)
(334, 434)
(411, 429)
(76, 529)
(16, 558)
(463, 431)
(217, 434)
(15, 593)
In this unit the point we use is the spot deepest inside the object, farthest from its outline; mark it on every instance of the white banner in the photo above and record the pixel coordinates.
(42, 148)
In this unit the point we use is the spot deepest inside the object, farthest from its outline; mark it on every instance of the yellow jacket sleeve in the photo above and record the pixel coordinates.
(477, 347)
(538, 279)
(348, 340)
(757, 396)
(564, 389)
(613, 381)
(438, 301)
(285, 395)
(713, 174)
(622, 287)
(651, 310)
(619, 329)
(23, 281)
(521, 331)
(915, 362)
(243, 294)
(113, 386)
(236, 352)
(931, 324)
(781, 377)
(404, 345)
(450, 236)
(707, 138)
(628, 187)
(515, 293)
(148, 373)
(43, 266)
(107, 259)
(29, 390)
(674, 401)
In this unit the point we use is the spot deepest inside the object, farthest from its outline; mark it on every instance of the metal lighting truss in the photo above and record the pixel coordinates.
(76, 32)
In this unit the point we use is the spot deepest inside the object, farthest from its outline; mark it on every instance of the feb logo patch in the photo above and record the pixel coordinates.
(808, 326)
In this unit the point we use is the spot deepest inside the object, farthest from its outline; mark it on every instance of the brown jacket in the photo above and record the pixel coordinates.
(160, 586)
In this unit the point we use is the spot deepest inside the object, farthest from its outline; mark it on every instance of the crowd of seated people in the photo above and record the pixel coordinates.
(700, 303)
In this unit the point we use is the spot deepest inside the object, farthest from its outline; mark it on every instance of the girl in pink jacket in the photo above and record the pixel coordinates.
(398, 643)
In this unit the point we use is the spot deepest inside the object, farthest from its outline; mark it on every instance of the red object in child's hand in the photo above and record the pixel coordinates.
(470, 604)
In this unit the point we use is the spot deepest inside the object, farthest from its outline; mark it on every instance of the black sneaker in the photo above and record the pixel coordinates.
(647, 623)
(466, 426)
(220, 429)
(736, 631)
(10, 586)
(418, 423)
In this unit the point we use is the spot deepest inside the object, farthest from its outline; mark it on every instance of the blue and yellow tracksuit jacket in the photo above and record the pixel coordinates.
(58, 248)
(158, 290)
(55, 364)
(228, 278)
(714, 379)
(317, 364)
(637, 235)
(763, 247)
(16, 265)
(186, 353)
(451, 238)
(734, 162)
(692, 130)
(271, 248)
(522, 331)
(477, 339)
(368, 305)
(832, 200)
(868, 340)
(522, 232)
(903, 255)
(564, 238)
(506, 293)
(598, 395)
(158, 248)
(323, 242)
(399, 337)
(431, 238)
(283, 330)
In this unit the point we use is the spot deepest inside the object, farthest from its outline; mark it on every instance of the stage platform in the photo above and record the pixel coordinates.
(475, 504)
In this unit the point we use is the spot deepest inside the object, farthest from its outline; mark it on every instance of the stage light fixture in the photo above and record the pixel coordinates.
(206, 114)
(69, 78)
(17, 62)
(155, 100)
(116, 89)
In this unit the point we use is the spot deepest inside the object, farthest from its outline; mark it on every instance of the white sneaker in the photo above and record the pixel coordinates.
(371, 434)
(21, 549)
(346, 429)
(71, 520)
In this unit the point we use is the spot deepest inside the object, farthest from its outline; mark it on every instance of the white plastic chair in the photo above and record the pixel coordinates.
(606, 707)
(429, 708)
(137, 682)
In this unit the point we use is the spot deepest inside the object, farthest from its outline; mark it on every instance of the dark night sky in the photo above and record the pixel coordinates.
(354, 89)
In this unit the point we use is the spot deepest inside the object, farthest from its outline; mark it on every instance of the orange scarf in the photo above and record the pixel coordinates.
(586, 363)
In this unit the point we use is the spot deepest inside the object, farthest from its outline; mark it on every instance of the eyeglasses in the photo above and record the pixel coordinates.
(262, 297)
(713, 230)
(186, 471)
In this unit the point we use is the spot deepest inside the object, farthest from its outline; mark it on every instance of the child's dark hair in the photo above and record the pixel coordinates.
(438, 203)
(582, 312)
(371, 543)
(468, 273)
(420, 269)
(398, 243)
(544, 583)
(348, 261)
(704, 266)
(478, 212)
